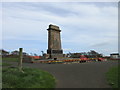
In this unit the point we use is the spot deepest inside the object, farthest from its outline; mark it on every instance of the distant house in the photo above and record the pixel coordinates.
(4, 53)
(15, 53)
(114, 56)
(25, 54)
(35, 57)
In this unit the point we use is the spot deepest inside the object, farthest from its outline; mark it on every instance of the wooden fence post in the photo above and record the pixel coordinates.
(20, 59)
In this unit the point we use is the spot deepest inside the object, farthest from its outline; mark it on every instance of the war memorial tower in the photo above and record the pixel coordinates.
(54, 42)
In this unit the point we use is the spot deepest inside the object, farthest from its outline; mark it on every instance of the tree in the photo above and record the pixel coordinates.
(94, 54)
(35, 54)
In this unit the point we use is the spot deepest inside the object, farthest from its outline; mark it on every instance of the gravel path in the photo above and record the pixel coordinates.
(81, 75)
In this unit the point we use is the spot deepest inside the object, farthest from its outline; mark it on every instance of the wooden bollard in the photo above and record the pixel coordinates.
(20, 59)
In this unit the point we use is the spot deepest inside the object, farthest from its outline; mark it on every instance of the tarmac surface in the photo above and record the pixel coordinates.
(78, 75)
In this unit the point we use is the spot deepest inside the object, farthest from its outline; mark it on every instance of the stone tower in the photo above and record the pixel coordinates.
(54, 42)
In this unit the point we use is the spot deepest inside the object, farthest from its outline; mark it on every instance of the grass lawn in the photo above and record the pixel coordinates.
(31, 78)
(5, 64)
(0, 63)
(10, 59)
(112, 77)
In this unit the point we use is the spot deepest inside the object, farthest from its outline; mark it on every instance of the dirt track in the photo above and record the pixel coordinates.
(82, 75)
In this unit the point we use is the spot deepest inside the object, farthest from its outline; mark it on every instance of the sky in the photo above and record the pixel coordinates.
(84, 26)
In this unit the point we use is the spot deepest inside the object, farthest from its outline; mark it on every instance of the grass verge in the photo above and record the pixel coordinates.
(31, 78)
(112, 77)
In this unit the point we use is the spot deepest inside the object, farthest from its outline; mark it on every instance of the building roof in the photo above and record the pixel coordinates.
(3, 51)
(35, 57)
(114, 54)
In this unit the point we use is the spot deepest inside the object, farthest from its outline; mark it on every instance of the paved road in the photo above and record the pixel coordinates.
(82, 75)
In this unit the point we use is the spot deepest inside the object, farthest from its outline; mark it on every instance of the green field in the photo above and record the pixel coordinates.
(112, 77)
(31, 78)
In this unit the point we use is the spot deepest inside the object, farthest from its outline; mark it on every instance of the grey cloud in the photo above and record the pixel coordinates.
(100, 44)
